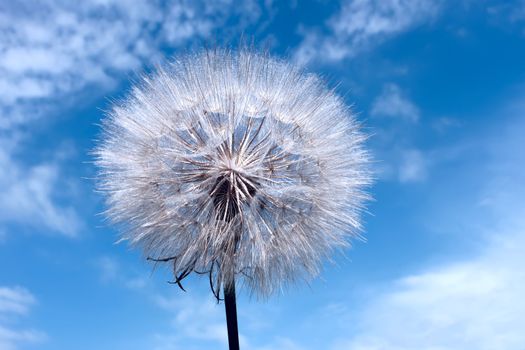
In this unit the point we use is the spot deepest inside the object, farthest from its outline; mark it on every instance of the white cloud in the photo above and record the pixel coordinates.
(392, 102)
(413, 166)
(444, 124)
(30, 196)
(196, 320)
(473, 302)
(405, 164)
(110, 270)
(15, 302)
(361, 24)
(53, 49)
(505, 13)
(281, 344)
(199, 322)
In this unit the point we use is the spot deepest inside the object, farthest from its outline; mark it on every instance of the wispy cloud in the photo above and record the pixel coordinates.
(402, 161)
(108, 267)
(111, 271)
(393, 102)
(413, 166)
(197, 321)
(51, 49)
(471, 302)
(444, 124)
(279, 343)
(509, 12)
(361, 24)
(31, 196)
(405, 164)
(16, 302)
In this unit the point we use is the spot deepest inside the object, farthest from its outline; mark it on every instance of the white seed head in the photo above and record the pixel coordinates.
(235, 163)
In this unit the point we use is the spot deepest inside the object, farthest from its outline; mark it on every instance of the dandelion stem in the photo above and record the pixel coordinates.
(231, 315)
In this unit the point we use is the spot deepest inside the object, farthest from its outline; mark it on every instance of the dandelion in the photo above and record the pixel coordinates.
(236, 165)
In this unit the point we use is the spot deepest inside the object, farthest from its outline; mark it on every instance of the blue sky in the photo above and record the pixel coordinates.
(440, 85)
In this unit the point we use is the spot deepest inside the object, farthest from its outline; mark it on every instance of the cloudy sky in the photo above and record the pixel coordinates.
(440, 86)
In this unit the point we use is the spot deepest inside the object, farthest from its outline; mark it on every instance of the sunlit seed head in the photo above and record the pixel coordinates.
(235, 163)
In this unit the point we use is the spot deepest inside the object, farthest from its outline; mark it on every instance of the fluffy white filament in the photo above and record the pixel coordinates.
(235, 163)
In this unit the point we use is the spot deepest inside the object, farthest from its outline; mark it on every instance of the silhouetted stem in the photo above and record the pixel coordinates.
(231, 316)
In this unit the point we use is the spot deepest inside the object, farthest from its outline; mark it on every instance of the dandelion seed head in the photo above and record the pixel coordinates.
(235, 163)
